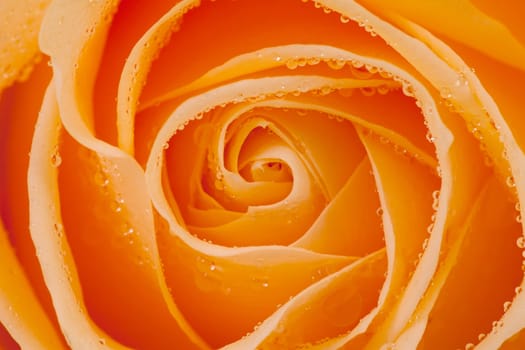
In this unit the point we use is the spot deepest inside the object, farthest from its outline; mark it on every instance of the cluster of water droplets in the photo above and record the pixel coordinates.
(398, 149)
(213, 276)
(344, 19)
(357, 69)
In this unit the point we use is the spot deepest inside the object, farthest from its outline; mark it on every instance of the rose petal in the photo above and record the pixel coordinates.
(323, 310)
(21, 313)
(465, 20)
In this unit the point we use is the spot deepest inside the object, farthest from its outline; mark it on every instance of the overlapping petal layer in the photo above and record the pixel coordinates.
(264, 174)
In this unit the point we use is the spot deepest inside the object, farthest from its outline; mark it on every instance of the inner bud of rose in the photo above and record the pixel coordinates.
(274, 170)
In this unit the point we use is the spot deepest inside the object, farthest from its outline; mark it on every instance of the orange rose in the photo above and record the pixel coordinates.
(276, 174)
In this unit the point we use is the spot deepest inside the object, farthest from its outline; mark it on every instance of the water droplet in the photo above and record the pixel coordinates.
(117, 204)
(360, 72)
(102, 341)
(481, 336)
(56, 159)
(325, 90)
(336, 64)
(327, 10)
(497, 324)
(320, 273)
(469, 346)
(385, 74)
(206, 276)
(379, 211)
(260, 282)
(408, 89)
(477, 133)
(101, 179)
(301, 61)
(383, 89)
(435, 199)
(312, 61)
(445, 93)
(520, 242)
(301, 112)
(344, 19)
(506, 306)
(368, 91)
(429, 137)
(371, 68)
(518, 290)
(370, 30)
(128, 231)
(59, 228)
(291, 64)
(510, 181)
(518, 218)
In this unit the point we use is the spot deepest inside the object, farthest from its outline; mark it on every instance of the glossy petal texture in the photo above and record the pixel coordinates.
(272, 174)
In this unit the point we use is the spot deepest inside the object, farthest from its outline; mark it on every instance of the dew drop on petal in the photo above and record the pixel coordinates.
(56, 159)
(291, 64)
(425, 244)
(506, 306)
(383, 89)
(336, 64)
(435, 199)
(368, 91)
(344, 19)
(520, 242)
(510, 181)
(312, 61)
(446, 93)
(429, 137)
